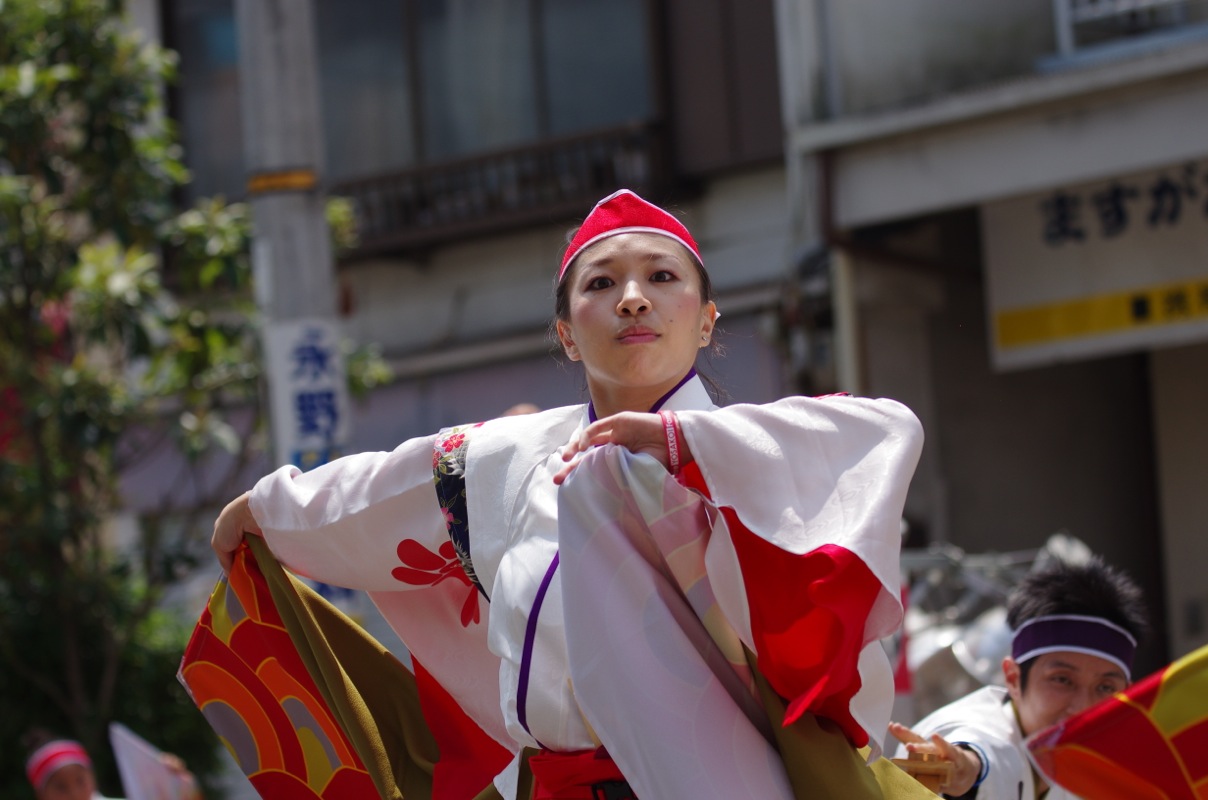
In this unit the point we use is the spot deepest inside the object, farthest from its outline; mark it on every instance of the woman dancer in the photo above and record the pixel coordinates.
(611, 584)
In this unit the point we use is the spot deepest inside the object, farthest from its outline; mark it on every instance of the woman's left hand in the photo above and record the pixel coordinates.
(636, 432)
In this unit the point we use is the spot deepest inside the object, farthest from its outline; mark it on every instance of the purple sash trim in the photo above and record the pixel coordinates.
(530, 629)
(591, 408)
(1077, 633)
(526, 660)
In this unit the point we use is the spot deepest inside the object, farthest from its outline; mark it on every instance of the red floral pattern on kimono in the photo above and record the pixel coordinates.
(422, 567)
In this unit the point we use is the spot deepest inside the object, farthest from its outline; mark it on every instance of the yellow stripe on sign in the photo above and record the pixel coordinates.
(290, 180)
(1107, 313)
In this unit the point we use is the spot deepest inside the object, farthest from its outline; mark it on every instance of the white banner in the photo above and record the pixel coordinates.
(1108, 267)
(146, 773)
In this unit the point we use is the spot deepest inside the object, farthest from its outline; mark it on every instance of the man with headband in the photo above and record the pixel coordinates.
(61, 769)
(1076, 630)
(633, 595)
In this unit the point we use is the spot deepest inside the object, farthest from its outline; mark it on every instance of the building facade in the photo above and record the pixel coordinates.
(472, 136)
(1014, 201)
(994, 212)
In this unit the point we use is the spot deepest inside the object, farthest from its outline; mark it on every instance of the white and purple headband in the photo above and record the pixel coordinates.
(1074, 632)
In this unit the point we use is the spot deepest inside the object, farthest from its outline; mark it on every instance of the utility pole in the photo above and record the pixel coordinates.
(294, 271)
(291, 246)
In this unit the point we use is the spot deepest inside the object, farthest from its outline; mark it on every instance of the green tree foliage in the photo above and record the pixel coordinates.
(98, 362)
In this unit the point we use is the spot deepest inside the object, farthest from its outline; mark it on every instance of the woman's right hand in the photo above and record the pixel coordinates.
(234, 521)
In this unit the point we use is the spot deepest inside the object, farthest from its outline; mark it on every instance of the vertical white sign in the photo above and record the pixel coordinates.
(311, 414)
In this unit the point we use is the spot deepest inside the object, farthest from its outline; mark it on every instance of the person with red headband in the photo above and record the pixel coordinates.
(645, 595)
(60, 769)
(1076, 628)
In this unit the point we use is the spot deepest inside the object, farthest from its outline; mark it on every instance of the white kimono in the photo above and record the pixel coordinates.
(614, 609)
(986, 721)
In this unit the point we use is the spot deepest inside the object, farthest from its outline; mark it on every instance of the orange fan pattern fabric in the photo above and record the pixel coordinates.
(1149, 742)
(245, 675)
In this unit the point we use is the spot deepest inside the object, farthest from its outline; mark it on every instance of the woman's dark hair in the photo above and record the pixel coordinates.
(1093, 589)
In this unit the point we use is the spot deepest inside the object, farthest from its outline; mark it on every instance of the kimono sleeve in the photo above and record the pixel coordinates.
(812, 491)
(367, 521)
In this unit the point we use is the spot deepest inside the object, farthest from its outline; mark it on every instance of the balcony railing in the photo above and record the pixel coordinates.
(1092, 24)
(551, 181)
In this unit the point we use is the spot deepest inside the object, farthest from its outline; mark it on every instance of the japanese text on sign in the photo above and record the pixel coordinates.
(1112, 266)
(1161, 200)
(310, 404)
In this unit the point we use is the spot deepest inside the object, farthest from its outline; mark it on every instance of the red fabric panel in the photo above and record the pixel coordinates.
(808, 615)
(469, 759)
(569, 776)
(1102, 777)
(345, 784)
(1145, 692)
(1189, 742)
(1125, 736)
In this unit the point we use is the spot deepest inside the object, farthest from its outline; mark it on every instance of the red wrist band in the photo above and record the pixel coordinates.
(669, 430)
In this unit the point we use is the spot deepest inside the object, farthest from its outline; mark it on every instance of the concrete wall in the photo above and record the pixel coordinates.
(855, 57)
(143, 15)
(1035, 451)
(893, 54)
(504, 285)
(1012, 457)
(896, 361)
(1180, 390)
(1108, 449)
(1069, 128)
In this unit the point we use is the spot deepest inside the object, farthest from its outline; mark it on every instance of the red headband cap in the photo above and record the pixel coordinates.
(625, 212)
(52, 756)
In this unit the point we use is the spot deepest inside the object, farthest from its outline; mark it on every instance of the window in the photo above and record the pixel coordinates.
(596, 59)
(478, 76)
(206, 95)
(406, 83)
(1086, 24)
(364, 87)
